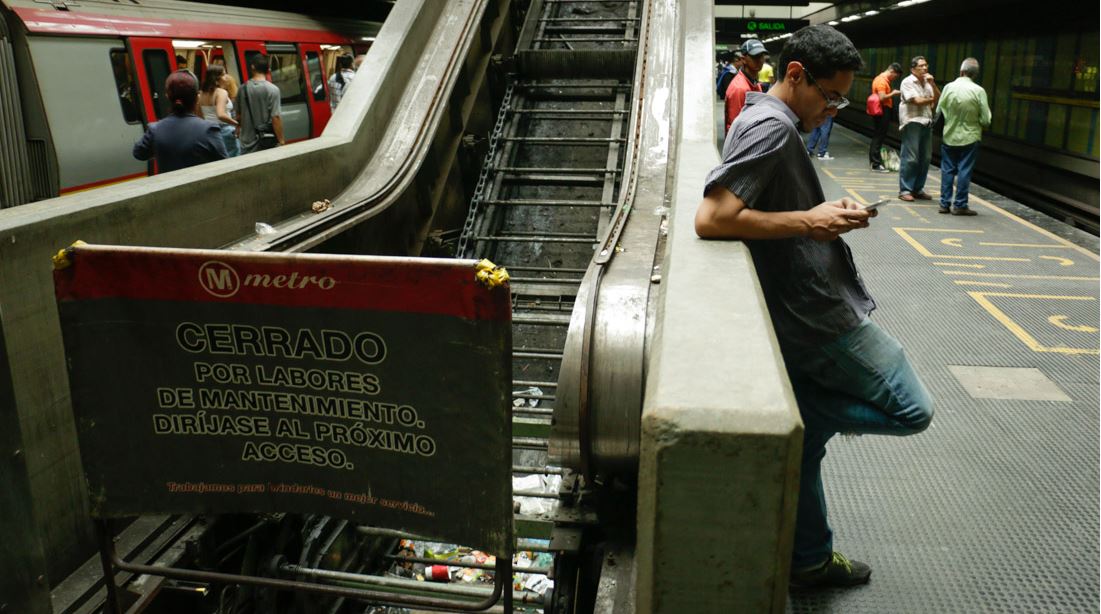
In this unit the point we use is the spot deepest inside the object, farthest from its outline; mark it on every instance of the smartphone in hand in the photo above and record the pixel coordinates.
(877, 204)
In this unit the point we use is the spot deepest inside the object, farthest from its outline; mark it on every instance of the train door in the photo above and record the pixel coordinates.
(289, 75)
(318, 96)
(246, 50)
(154, 60)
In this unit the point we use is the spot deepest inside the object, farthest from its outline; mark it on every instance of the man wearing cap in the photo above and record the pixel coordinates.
(746, 79)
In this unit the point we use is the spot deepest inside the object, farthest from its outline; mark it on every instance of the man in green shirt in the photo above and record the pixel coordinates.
(966, 112)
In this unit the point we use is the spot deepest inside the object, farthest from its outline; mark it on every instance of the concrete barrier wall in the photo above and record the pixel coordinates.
(721, 433)
(202, 207)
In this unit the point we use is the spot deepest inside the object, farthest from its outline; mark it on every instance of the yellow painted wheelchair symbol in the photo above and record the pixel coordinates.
(1060, 321)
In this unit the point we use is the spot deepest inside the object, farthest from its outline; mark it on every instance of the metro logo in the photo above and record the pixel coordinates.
(219, 279)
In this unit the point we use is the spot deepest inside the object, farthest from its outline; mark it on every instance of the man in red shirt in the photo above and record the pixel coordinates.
(881, 86)
(746, 80)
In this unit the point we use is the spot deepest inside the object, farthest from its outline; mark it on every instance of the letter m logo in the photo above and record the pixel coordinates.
(219, 279)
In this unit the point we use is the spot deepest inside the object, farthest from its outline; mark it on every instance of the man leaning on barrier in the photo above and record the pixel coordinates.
(848, 375)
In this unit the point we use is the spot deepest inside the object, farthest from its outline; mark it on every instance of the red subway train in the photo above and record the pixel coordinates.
(82, 79)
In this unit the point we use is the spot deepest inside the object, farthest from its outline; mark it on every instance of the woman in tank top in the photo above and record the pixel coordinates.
(216, 106)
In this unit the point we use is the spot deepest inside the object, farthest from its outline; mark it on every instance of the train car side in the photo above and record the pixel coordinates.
(90, 78)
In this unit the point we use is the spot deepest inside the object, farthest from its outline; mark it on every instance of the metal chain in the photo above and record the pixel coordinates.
(466, 240)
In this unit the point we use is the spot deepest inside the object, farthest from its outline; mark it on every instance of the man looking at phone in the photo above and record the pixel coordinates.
(915, 120)
(848, 375)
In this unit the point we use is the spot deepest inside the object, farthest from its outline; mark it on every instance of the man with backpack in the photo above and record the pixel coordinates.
(731, 64)
(880, 110)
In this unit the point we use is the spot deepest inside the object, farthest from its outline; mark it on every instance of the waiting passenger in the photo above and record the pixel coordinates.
(820, 139)
(766, 75)
(260, 110)
(881, 87)
(181, 139)
(229, 84)
(727, 70)
(848, 375)
(341, 79)
(966, 112)
(915, 120)
(217, 107)
(746, 79)
(358, 61)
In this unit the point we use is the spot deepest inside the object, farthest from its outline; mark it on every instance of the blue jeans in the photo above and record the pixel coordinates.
(917, 150)
(820, 136)
(956, 162)
(229, 137)
(859, 383)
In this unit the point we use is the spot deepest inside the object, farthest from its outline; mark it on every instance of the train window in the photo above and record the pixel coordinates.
(286, 73)
(317, 78)
(157, 69)
(126, 84)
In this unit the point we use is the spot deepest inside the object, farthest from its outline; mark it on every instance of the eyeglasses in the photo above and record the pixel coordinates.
(831, 103)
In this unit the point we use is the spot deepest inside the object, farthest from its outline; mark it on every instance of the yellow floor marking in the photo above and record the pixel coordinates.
(859, 198)
(1028, 224)
(1062, 261)
(968, 231)
(1029, 340)
(903, 232)
(960, 264)
(1013, 276)
(1060, 321)
(1048, 245)
(968, 282)
(953, 241)
(827, 171)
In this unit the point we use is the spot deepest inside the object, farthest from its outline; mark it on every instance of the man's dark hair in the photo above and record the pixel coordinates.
(259, 64)
(916, 59)
(895, 66)
(822, 50)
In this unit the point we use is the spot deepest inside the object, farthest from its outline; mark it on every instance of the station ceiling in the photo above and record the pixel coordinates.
(878, 22)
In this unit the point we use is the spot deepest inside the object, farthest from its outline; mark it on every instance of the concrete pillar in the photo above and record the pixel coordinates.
(721, 433)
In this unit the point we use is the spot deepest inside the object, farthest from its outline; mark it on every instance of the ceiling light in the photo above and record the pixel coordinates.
(834, 22)
(187, 44)
(870, 13)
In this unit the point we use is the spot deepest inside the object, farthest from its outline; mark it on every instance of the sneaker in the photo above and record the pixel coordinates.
(825, 156)
(837, 572)
(906, 196)
(964, 211)
(923, 195)
(943, 210)
(879, 168)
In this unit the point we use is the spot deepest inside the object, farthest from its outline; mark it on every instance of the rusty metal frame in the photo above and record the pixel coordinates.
(110, 560)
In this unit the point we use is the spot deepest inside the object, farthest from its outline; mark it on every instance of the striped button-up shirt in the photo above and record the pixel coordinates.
(966, 112)
(813, 291)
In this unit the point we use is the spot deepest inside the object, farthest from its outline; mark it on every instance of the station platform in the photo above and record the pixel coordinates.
(995, 507)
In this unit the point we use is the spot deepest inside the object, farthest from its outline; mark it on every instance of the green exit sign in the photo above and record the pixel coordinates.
(766, 26)
(728, 29)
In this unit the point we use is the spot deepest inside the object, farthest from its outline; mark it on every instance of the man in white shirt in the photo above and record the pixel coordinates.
(915, 121)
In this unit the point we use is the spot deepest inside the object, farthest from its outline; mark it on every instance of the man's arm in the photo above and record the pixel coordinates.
(277, 128)
(723, 215)
(984, 113)
(143, 149)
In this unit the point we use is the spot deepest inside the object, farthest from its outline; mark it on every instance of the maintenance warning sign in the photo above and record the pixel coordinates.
(375, 389)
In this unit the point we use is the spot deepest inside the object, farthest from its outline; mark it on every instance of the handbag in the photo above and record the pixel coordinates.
(874, 106)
